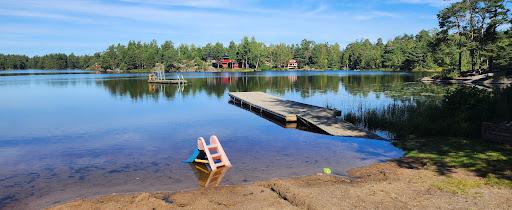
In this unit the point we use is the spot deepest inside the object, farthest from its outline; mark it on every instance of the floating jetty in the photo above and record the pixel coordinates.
(159, 77)
(169, 81)
(288, 111)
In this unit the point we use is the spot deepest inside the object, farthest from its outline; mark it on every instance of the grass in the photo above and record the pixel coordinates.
(458, 186)
(463, 186)
(492, 180)
(491, 161)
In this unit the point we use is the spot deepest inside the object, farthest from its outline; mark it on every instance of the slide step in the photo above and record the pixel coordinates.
(216, 155)
(201, 161)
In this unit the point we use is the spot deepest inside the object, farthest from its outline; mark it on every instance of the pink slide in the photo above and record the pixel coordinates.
(215, 155)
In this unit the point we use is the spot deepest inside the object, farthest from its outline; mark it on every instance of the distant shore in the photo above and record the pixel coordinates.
(225, 70)
(485, 81)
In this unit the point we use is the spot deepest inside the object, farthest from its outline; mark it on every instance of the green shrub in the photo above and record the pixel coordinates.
(446, 75)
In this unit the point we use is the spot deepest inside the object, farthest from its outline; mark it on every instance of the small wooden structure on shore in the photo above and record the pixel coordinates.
(292, 64)
(288, 111)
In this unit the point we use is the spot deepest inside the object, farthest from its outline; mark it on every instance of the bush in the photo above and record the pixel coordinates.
(446, 75)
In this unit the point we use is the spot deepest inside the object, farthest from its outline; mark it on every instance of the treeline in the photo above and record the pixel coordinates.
(407, 52)
(471, 36)
(49, 61)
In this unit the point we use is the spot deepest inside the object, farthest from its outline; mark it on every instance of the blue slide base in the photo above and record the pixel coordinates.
(192, 157)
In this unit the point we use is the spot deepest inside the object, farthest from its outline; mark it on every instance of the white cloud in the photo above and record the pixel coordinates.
(36, 14)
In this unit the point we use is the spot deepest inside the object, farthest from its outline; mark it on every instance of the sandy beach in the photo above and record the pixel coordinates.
(398, 184)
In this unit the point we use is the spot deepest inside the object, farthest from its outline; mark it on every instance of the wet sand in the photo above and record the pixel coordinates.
(398, 184)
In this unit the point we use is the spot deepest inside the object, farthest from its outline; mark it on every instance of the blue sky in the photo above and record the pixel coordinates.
(36, 27)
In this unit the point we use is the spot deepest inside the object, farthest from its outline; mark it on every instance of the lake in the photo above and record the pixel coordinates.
(69, 134)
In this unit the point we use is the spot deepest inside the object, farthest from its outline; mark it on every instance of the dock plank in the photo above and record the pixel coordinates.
(168, 81)
(291, 111)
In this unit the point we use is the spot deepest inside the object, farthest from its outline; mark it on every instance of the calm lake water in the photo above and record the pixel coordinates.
(70, 134)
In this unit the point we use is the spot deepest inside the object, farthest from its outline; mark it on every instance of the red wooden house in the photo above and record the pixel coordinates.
(226, 63)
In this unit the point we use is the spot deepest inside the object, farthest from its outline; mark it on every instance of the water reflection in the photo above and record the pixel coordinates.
(207, 178)
(396, 86)
(74, 135)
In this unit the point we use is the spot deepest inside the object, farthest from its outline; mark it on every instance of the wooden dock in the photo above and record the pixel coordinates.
(292, 111)
(159, 77)
(169, 81)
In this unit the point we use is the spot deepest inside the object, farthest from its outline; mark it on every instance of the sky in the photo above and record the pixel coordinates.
(37, 27)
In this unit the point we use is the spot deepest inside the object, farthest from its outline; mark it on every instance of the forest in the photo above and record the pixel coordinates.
(472, 35)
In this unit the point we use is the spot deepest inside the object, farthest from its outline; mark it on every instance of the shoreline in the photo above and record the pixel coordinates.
(234, 71)
(484, 81)
(398, 183)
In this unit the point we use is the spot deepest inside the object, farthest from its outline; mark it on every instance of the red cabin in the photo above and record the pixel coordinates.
(226, 63)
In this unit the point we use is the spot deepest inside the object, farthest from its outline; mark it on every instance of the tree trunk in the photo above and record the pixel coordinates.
(491, 63)
(472, 33)
(460, 61)
(472, 60)
(459, 28)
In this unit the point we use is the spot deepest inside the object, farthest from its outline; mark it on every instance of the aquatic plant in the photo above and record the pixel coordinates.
(460, 113)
